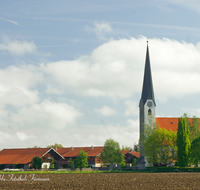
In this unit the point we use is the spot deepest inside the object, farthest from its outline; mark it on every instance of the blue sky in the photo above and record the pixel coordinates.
(71, 71)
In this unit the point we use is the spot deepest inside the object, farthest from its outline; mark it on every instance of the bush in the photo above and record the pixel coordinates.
(71, 163)
(37, 162)
(52, 164)
(134, 162)
(123, 163)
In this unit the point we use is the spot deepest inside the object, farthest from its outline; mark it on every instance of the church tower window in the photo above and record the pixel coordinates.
(149, 112)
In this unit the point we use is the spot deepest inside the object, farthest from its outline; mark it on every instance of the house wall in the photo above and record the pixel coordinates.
(47, 158)
(46, 165)
(98, 161)
(26, 166)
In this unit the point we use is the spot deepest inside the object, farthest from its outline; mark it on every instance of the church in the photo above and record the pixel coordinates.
(147, 107)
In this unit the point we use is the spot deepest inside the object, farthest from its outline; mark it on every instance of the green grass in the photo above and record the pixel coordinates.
(148, 170)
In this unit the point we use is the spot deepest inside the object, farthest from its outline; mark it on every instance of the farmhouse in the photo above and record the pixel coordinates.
(129, 156)
(61, 156)
(93, 153)
(24, 156)
(72, 152)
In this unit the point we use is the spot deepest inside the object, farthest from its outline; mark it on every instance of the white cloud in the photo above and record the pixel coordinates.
(97, 134)
(12, 21)
(23, 136)
(18, 47)
(100, 29)
(44, 115)
(106, 111)
(132, 108)
(192, 4)
(12, 140)
(108, 72)
(114, 70)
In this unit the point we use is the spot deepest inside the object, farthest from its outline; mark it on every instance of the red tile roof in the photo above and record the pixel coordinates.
(68, 152)
(20, 156)
(169, 122)
(124, 151)
(136, 154)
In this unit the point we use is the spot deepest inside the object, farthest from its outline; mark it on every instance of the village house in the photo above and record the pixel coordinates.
(24, 156)
(60, 156)
(170, 123)
(72, 152)
(130, 155)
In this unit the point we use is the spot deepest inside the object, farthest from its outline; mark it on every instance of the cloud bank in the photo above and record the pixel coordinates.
(38, 101)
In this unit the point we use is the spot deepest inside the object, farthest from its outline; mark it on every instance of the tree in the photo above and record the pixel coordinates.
(71, 163)
(37, 162)
(55, 146)
(111, 153)
(134, 163)
(160, 146)
(183, 143)
(123, 163)
(194, 151)
(126, 148)
(193, 127)
(52, 164)
(137, 147)
(82, 160)
(148, 129)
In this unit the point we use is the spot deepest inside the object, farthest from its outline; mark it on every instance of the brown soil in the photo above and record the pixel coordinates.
(101, 181)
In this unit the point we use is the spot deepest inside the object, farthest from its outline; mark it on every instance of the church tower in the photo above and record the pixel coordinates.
(147, 105)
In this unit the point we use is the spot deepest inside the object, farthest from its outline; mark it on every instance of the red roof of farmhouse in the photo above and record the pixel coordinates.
(136, 154)
(91, 152)
(20, 156)
(73, 152)
(169, 123)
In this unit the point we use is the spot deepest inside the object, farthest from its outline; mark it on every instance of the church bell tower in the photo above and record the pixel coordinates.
(146, 106)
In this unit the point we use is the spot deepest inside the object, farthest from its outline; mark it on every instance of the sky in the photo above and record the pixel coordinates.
(71, 72)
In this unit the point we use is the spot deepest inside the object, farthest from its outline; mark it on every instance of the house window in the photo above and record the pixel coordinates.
(149, 112)
(49, 158)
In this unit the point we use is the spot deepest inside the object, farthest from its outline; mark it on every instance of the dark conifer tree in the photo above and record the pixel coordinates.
(183, 143)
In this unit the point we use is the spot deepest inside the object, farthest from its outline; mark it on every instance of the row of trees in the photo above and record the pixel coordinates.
(163, 147)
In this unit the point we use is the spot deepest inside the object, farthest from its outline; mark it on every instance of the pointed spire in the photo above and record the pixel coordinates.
(147, 90)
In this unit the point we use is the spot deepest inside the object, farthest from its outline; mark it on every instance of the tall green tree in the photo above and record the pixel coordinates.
(82, 160)
(111, 153)
(37, 162)
(194, 151)
(183, 143)
(160, 146)
(193, 127)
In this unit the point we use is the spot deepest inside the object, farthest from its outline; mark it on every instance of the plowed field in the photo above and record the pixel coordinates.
(101, 181)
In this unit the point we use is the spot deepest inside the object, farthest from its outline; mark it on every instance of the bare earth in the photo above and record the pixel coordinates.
(101, 181)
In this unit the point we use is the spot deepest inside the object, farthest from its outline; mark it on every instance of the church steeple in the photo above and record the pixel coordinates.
(147, 90)
(147, 106)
